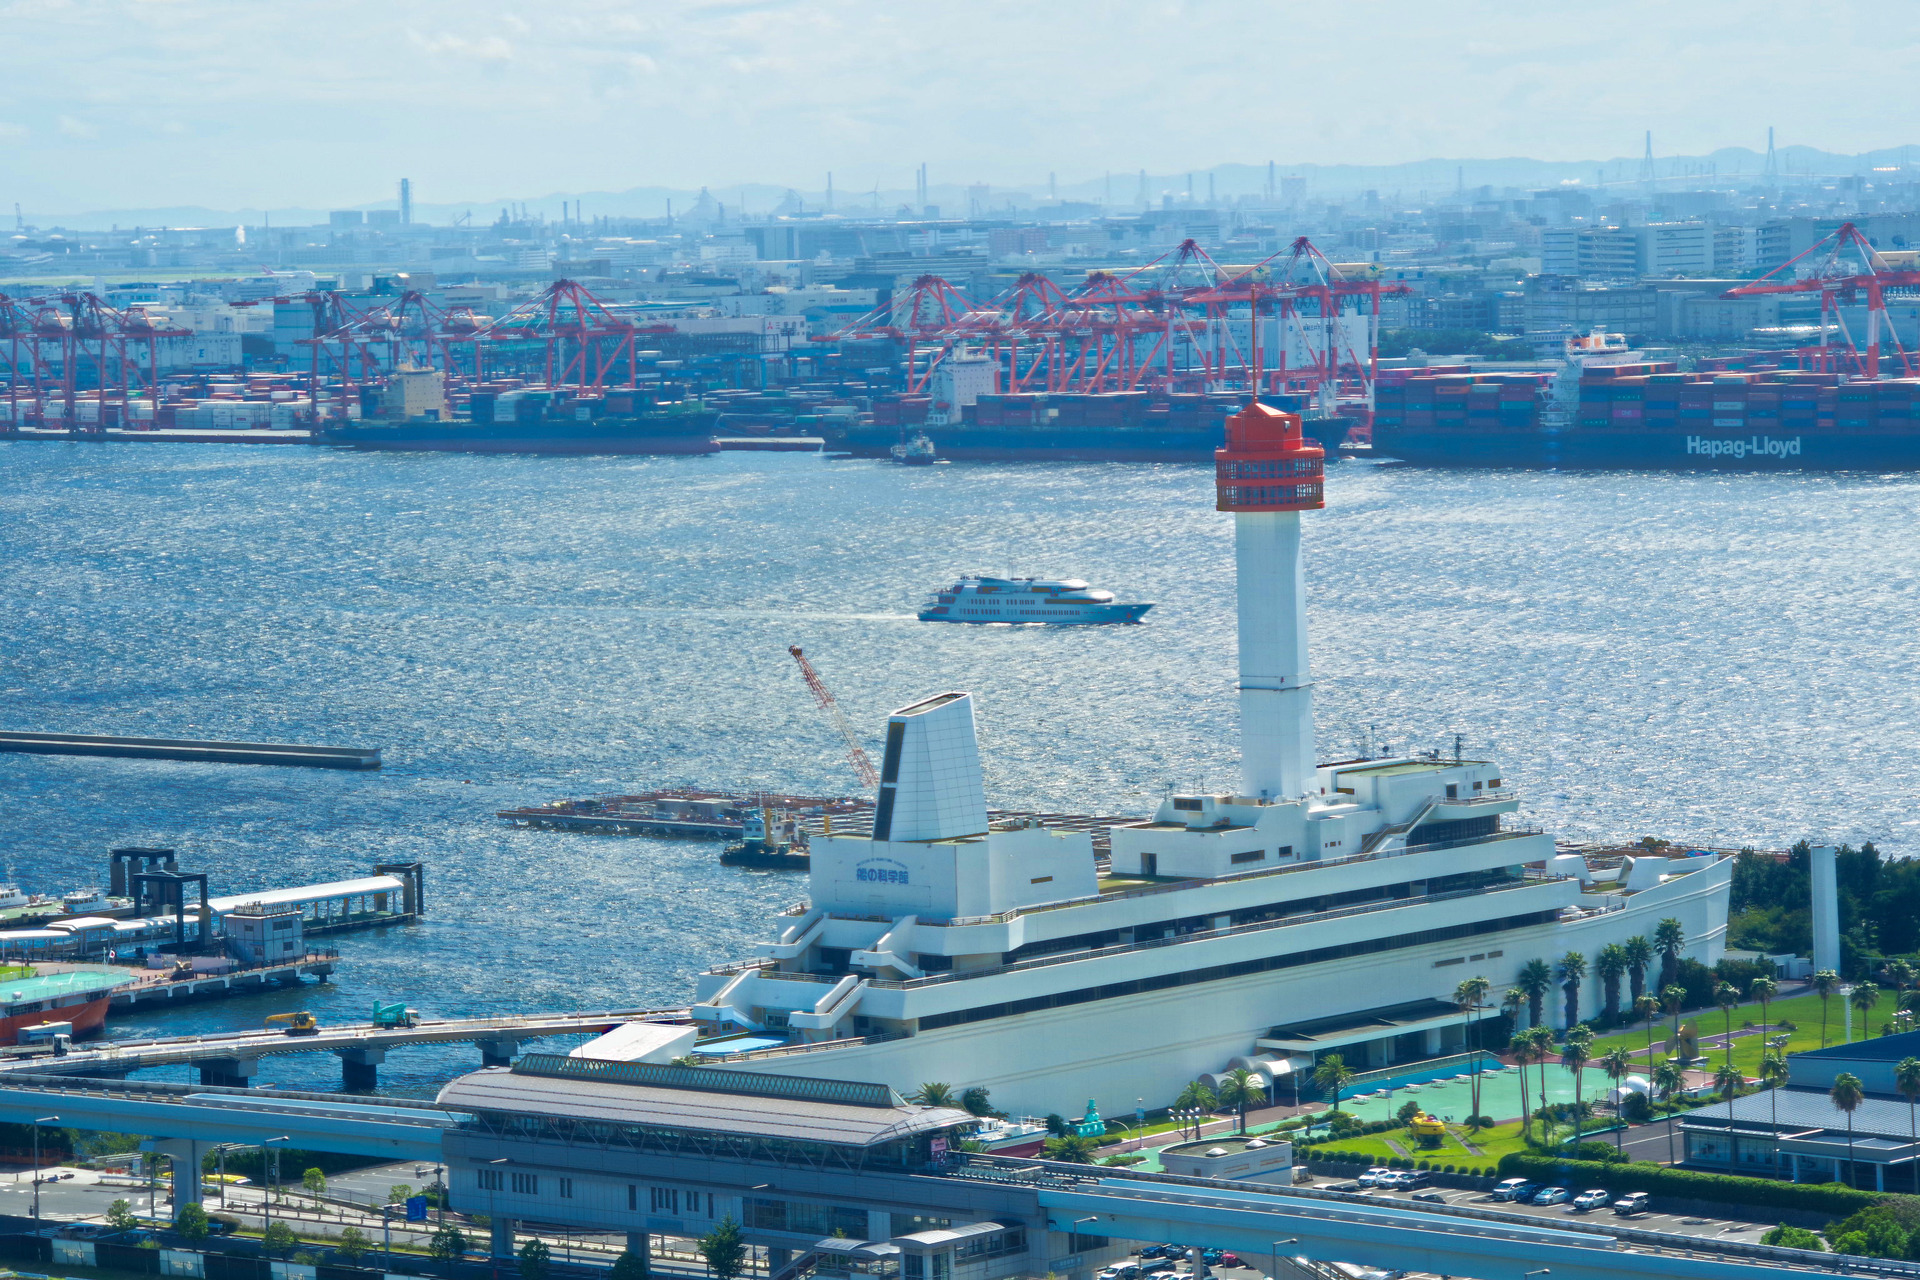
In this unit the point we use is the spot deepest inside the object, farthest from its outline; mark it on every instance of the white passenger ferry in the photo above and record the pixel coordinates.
(1066, 602)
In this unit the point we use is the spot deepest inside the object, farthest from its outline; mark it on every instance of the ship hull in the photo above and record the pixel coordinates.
(86, 1018)
(1097, 615)
(1713, 450)
(1051, 444)
(573, 438)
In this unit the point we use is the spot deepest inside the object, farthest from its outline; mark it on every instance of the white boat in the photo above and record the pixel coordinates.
(83, 900)
(916, 452)
(1050, 602)
(12, 896)
(1315, 908)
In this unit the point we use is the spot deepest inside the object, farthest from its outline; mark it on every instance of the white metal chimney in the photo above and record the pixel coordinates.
(1826, 908)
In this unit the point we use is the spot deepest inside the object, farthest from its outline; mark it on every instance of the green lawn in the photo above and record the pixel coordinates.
(1490, 1143)
(1802, 1011)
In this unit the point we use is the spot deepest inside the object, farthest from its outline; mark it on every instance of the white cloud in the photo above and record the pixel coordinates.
(8, 130)
(71, 128)
(483, 48)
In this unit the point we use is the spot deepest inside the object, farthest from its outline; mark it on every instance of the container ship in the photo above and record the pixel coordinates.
(1121, 426)
(411, 412)
(1607, 409)
(1312, 907)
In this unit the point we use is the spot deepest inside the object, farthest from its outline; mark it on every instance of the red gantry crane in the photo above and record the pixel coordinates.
(1839, 283)
(861, 765)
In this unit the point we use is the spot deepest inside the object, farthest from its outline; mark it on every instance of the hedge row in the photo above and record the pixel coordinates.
(1365, 1160)
(1688, 1184)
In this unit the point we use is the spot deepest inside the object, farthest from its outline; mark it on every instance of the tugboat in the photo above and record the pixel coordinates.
(1048, 602)
(769, 842)
(917, 452)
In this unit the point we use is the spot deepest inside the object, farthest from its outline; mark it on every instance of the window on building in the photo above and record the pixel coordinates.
(665, 1200)
(526, 1184)
(1187, 803)
(1453, 791)
(489, 1179)
(1253, 855)
(906, 1224)
(633, 1197)
(566, 1188)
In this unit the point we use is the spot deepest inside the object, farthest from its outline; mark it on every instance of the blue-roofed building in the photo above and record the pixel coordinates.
(1796, 1132)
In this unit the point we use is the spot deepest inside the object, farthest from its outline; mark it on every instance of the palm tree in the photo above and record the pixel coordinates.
(1573, 1056)
(1333, 1075)
(1773, 1074)
(1647, 1008)
(1639, 956)
(1536, 979)
(1900, 974)
(1510, 1004)
(934, 1094)
(1673, 997)
(1521, 1050)
(1763, 989)
(1825, 983)
(1618, 1064)
(1197, 1097)
(1241, 1089)
(1573, 971)
(1610, 965)
(1847, 1094)
(1906, 1078)
(1864, 997)
(1669, 1079)
(1471, 995)
(1726, 995)
(1668, 938)
(1542, 1038)
(1728, 1081)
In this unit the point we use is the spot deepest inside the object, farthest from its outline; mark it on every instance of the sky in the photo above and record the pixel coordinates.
(265, 103)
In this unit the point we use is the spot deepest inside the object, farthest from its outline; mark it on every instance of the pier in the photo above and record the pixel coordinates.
(97, 744)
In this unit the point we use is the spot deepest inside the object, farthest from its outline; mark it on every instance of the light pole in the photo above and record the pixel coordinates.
(36, 1165)
(266, 1190)
(1273, 1254)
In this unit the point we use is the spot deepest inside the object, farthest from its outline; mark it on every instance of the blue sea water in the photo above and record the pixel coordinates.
(1728, 659)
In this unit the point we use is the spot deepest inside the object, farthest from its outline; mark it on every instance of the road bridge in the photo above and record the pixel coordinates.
(233, 1058)
(1059, 1204)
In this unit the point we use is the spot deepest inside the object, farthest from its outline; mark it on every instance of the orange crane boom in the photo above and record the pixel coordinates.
(869, 776)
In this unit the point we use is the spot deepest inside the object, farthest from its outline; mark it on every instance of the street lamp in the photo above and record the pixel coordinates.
(36, 1165)
(1273, 1254)
(266, 1191)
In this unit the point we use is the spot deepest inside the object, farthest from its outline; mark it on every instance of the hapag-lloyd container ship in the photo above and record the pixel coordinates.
(1317, 908)
(1606, 408)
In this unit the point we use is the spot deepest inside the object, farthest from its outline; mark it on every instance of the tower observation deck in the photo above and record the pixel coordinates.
(1267, 475)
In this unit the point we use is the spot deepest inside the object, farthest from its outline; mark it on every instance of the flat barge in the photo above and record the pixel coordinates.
(99, 744)
(679, 812)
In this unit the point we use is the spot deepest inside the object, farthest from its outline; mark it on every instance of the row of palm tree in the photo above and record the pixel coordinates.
(1616, 960)
(1239, 1089)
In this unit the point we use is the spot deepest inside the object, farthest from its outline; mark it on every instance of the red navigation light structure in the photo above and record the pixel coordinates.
(1824, 268)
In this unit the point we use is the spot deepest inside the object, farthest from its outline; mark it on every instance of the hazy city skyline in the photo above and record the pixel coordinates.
(214, 104)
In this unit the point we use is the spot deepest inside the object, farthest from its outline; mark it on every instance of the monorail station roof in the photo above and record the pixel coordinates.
(698, 1100)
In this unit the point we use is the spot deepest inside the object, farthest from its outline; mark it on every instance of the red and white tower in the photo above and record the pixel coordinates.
(1267, 475)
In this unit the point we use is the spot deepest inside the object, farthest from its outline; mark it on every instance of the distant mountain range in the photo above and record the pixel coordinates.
(1729, 167)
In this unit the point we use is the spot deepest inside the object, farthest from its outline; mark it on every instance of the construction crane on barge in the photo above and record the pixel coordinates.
(869, 776)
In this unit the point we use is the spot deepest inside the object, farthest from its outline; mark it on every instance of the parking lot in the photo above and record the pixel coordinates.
(1652, 1220)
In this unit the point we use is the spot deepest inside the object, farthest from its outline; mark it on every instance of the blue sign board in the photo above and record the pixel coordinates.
(416, 1208)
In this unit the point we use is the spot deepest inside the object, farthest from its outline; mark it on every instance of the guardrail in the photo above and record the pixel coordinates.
(1078, 1177)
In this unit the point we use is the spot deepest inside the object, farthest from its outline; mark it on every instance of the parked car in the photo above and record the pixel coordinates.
(1430, 1197)
(1371, 1178)
(1509, 1188)
(1210, 1256)
(1230, 1260)
(1156, 1266)
(1415, 1178)
(1631, 1204)
(1552, 1195)
(1150, 1251)
(1348, 1186)
(1588, 1201)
